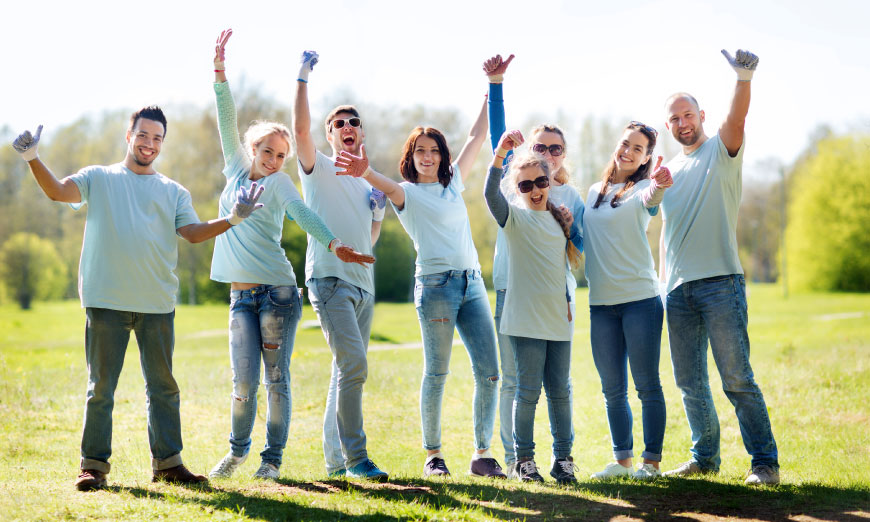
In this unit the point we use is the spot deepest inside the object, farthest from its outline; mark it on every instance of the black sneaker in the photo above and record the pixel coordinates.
(527, 471)
(486, 467)
(563, 471)
(435, 467)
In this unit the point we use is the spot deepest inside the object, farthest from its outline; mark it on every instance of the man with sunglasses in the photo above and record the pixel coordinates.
(342, 295)
(704, 279)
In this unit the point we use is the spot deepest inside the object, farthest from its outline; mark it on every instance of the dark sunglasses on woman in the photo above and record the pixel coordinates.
(555, 150)
(526, 185)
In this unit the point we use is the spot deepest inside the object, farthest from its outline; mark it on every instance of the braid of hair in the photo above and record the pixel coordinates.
(604, 186)
(573, 253)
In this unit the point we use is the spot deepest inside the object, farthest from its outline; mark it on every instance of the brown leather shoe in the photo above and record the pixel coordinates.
(90, 479)
(178, 475)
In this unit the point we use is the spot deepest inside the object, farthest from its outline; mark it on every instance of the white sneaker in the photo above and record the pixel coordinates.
(227, 466)
(511, 470)
(267, 471)
(646, 472)
(763, 475)
(612, 470)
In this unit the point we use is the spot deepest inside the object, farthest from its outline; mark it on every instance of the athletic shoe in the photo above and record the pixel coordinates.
(435, 467)
(90, 479)
(367, 470)
(646, 472)
(563, 470)
(511, 470)
(178, 475)
(227, 466)
(763, 475)
(527, 471)
(486, 467)
(612, 470)
(689, 469)
(267, 471)
(339, 473)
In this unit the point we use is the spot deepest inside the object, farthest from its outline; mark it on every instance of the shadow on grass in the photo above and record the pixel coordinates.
(674, 499)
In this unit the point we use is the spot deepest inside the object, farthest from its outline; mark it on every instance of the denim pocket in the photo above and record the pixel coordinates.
(434, 280)
(282, 296)
(322, 288)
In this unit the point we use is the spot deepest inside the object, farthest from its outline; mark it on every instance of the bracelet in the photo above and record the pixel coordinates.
(367, 172)
(502, 151)
(500, 157)
(219, 70)
(301, 80)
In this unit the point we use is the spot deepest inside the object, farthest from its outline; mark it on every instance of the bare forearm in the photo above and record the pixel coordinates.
(199, 232)
(302, 128)
(732, 129)
(65, 191)
(476, 138)
(376, 231)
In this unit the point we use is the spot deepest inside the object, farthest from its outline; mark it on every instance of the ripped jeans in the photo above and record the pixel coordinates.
(263, 323)
(445, 301)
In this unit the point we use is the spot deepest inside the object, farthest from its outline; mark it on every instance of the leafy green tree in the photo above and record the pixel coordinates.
(394, 269)
(31, 269)
(827, 237)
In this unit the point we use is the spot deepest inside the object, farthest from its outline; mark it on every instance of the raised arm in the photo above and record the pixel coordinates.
(659, 181)
(495, 200)
(65, 190)
(731, 131)
(305, 149)
(228, 124)
(358, 167)
(495, 68)
(476, 137)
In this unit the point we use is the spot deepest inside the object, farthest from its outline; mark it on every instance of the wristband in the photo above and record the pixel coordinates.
(301, 80)
(496, 78)
(502, 151)
(219, 70)
(367, 172)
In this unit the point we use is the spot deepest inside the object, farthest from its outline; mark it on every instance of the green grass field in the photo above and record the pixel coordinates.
(810, 353)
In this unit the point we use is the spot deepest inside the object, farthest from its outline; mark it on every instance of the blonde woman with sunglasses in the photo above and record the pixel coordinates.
(542, 239)
(624, 308)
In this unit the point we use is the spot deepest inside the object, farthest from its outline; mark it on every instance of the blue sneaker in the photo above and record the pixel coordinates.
(367, 470)
(339, 473)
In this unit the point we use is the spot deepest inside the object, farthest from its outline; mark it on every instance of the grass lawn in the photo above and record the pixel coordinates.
(810, 353)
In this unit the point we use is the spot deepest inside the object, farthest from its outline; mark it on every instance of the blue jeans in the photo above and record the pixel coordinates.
(508, 391)
(445, 301)
(540, 361)
(107, 333)
(630, 332)
(345, 312)
(715, 308)
(263, 323)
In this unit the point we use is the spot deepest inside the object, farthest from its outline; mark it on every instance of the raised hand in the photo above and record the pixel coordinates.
(26, 144)
(495, 67)
(378, 204)
(246, 203)
(356, 166)
(661, 175)
(567, 216)
(509, 140)
(309, 59)
(219, 53)
(744, 63)
(349, 255)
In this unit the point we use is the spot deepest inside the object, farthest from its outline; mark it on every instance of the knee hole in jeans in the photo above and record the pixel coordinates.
(270, 346)
(441, 320)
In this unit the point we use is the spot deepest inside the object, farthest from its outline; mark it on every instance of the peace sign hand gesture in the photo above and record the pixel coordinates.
(246, 204)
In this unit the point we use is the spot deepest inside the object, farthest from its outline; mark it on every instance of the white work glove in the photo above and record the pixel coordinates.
(26, 144)
(378, 204)
(246, 203)
(309, 60)
(744, 64)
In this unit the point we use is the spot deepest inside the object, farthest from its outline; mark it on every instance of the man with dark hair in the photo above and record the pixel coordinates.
(341, 294)
(706, 294)
(126, 283)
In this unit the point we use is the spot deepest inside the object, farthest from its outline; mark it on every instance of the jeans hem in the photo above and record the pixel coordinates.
(169, 462)
(98, 465)
(657, 457)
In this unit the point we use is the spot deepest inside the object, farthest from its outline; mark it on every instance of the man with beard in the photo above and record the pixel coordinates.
(341, 294)
(706, 295)
(126, 282)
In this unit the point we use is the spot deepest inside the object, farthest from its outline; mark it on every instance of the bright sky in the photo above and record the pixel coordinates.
(62, 60)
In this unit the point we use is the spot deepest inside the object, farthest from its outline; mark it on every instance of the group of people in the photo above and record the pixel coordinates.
(126, 282)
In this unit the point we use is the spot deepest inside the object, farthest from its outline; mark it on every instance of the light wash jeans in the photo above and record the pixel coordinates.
(107, 333)
(539, 361)
(345, 312)
(630, 333)
(508, 391)
(261, 316)
(715, 308)
(456, 299)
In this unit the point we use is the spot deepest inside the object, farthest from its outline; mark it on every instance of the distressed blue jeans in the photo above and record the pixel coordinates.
(630, 334)
(345, 312)
(715, 309)
(448, 301)
(263, 323)
(107, 333)
(508, 390)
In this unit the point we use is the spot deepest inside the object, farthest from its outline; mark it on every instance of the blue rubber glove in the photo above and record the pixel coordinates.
(246, 203)
(378, 204)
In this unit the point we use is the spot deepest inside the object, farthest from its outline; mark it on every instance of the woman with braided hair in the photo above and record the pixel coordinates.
(542, 239)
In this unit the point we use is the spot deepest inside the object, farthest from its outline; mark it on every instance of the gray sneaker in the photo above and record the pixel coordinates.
(486, 467)
(435, 467)
(689, 469)
(763, 475)
(227, 466)
(267, 471)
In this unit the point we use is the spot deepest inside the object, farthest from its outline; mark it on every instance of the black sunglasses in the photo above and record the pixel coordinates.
(555, 150)
(540, 182)
(635, 123)
(354, 122)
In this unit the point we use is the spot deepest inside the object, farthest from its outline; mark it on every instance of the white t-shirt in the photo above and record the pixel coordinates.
(619, 263)
(437, 220)
(700, 213)
(342, 202)
(130, 248)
